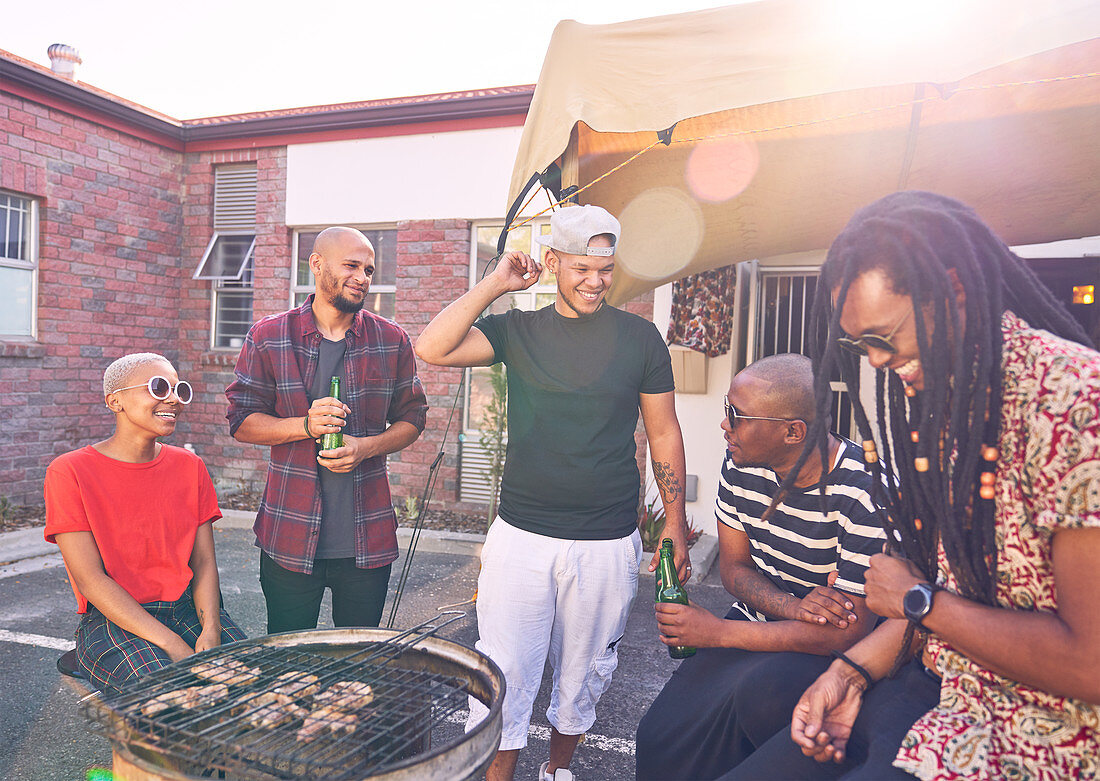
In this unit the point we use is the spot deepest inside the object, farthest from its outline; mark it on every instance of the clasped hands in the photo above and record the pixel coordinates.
(822, 720)
(695, 626)
(329, 416)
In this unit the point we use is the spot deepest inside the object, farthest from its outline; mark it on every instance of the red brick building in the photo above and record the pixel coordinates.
(109, 210)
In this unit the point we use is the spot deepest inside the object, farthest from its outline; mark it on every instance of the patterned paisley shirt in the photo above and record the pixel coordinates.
(987, 726)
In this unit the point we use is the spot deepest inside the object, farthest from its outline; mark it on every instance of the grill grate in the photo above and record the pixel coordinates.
(221, 728)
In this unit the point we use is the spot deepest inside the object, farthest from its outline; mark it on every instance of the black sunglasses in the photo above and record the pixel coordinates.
(732, 415)
(859, 346)
(160, 389)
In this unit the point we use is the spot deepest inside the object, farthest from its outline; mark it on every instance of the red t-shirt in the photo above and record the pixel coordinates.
(143, 517)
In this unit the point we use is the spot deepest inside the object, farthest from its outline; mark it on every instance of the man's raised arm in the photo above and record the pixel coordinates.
(450, 338)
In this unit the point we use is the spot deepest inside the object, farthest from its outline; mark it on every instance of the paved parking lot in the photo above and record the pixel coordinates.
(46, 738)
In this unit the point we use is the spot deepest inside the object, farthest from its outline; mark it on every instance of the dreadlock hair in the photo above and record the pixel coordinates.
(916, 238)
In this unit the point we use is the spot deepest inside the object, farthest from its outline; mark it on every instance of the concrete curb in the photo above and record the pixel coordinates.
(25, 545)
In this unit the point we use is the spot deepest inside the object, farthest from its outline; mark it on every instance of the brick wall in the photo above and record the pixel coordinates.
(433, 269)
(231, 463)
(123, 224)
(108, 279)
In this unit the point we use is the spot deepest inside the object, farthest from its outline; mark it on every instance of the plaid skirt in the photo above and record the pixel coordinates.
(110, 656)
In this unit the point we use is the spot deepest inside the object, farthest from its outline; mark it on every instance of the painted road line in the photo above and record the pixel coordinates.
(42, 641)
(538, 732)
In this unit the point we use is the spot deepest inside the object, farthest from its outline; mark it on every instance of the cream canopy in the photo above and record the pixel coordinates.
(788, 119)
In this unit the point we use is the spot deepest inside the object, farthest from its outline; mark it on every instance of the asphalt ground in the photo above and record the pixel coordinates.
(44, 736)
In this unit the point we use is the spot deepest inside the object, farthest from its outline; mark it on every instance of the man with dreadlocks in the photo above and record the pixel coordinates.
(987, 435)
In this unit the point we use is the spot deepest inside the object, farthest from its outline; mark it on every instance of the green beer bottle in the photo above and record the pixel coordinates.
(670, 590)
(331, 441)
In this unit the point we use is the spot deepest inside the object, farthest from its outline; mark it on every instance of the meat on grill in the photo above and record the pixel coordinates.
(334, 710)
(189, 698)
(272, 709)
(228, 671)
(327, 719)
(346, 695)
(297, 683)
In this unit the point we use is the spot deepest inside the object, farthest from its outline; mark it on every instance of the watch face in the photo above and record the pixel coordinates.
(917, 601)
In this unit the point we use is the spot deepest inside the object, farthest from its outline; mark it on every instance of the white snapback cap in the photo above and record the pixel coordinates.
(572, 227)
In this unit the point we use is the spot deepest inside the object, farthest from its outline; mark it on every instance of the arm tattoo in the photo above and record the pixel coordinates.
(759, 593)
(667, 481)
(202, 616)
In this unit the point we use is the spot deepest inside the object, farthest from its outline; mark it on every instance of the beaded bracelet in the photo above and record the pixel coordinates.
(858, 668)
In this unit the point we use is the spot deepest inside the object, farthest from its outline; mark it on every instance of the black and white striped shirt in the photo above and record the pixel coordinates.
(799, 547)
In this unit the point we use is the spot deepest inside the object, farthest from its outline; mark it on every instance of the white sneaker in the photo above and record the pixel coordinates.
(561, 774)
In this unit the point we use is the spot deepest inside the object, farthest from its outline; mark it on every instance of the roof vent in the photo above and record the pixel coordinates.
(64, 59)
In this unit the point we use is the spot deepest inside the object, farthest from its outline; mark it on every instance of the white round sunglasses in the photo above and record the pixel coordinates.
(160, 388)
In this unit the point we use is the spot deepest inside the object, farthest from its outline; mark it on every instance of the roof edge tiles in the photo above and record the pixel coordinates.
(35, 82)
(470, 104)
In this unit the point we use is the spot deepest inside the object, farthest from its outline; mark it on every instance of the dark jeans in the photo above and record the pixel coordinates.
(111, 657)
(294, 598)
(889, 709)
(717, 708)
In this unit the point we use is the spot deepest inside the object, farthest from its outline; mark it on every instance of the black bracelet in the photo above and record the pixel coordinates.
(858, 668)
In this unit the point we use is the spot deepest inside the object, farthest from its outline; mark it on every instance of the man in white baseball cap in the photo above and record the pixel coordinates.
(559, 568)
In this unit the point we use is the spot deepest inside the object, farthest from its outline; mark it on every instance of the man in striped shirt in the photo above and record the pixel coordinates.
(797, 578)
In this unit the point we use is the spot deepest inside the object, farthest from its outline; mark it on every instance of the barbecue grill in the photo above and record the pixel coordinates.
(331, 704)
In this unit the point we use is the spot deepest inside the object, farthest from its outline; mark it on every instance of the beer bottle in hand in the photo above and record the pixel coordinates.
(331, 441)
(670, 590)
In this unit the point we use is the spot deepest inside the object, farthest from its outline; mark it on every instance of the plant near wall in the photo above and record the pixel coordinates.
(408, 512)
(494, 423)
(651, 523)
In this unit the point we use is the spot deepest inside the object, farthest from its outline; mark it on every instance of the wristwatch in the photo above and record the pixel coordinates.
(917, 602)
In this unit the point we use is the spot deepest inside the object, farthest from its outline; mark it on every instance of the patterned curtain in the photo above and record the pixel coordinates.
(702, 311)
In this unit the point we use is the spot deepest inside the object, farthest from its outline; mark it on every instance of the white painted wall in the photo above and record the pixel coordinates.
(700, 416)
(460, 174)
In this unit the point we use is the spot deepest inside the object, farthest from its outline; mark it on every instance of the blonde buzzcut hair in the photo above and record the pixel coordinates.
(119, 371)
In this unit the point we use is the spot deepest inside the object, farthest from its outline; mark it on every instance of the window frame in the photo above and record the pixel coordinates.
(296, 232)
(218, 287)
(535, 250)
(249, 257)
(233, 208)
(28, 264)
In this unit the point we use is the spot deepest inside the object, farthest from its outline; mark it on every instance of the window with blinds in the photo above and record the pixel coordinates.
(474, 459)
(228, 259)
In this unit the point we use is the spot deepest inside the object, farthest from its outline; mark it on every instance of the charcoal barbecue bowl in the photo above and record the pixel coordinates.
(463, 757)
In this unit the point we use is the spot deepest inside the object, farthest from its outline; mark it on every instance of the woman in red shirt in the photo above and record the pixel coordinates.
(132, 517)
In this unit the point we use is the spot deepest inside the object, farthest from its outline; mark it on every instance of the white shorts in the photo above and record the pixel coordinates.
(568, 600)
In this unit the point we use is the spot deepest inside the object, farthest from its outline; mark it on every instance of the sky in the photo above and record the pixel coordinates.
(203, 58)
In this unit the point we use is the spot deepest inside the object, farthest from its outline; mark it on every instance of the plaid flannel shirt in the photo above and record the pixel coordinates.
(274, 371)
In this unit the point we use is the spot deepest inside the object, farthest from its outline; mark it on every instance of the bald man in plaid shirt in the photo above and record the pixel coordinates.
(326, 519)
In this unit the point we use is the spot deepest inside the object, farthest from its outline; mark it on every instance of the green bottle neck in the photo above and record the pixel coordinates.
(666, 569)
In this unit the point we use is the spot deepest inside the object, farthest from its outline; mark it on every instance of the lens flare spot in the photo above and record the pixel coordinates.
(662, 229)
(722, 168)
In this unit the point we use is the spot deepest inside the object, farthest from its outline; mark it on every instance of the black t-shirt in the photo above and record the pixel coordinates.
(573, 386)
